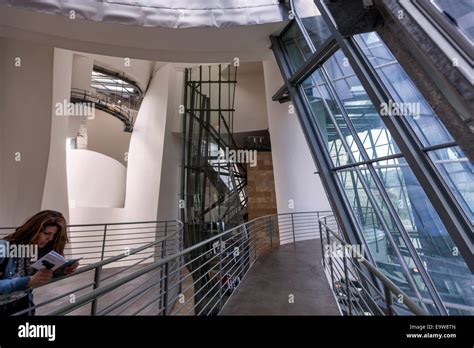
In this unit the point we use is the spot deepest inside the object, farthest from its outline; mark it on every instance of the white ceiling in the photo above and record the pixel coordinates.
(248, 43)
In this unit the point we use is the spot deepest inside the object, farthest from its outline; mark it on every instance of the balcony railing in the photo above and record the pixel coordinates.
(200, 279)
(359, 286)
(107, 104)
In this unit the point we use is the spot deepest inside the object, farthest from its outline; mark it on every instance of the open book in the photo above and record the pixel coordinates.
(53, 261)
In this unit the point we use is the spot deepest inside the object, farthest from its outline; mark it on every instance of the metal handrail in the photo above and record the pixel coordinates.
(168, 243)
(205, 251)
(101, 101)
(78, 235)
(253, 227)
(389, 288)
(200, 279)
(122, 256)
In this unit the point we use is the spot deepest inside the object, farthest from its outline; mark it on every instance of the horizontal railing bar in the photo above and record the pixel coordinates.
(220, 276)
(209, 281)
(78, 234)
(122, 301)
(127, 298)
(148, 304)
(125, 223)
(44, 303)
(119, 257)
(201, 276)
(387, 282)
(127, 267)
(251, 238)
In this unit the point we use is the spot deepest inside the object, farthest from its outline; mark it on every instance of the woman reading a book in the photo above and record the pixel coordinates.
(41, 234)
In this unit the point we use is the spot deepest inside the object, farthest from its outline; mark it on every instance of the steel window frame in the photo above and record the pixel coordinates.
(443, 201)
(337, 197)
(323, 161)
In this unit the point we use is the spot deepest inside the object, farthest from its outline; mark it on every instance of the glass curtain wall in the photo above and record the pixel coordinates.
(400, 226)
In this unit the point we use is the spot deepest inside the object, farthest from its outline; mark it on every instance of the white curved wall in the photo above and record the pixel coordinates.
(105, 135)
(95, 180)
(145, 159)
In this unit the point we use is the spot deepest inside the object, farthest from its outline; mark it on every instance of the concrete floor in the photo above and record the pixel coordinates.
(285, 273)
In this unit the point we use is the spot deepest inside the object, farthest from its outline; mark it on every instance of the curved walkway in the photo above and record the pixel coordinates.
(287, 280)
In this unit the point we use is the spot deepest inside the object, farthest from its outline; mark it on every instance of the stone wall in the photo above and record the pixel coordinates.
(261, 191)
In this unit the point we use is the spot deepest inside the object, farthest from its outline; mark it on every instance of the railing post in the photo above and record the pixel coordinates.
(317, 219)
(163, 276)
(163, 250)
(220, 273)
(330, 256)
(388, 300)
(293, 228)
(165, 293)
(241, 252)
(97, 273)
(322, 242)
(270, 231)
(181, 258)
(346, 276)
(103, 243)
(255, 238)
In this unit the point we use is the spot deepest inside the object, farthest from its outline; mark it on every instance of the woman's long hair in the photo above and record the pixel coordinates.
(29, 231)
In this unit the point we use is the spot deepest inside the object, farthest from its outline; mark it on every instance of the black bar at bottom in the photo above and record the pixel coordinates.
(136, 331)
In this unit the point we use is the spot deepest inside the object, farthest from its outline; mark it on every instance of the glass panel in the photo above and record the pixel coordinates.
(453, 166)
(368, 124)
(458, 173)
(295, 46)
(322, 105)
(407, 98)
(382, 241)
(313, 22)
(428, 235)
(460, 13)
